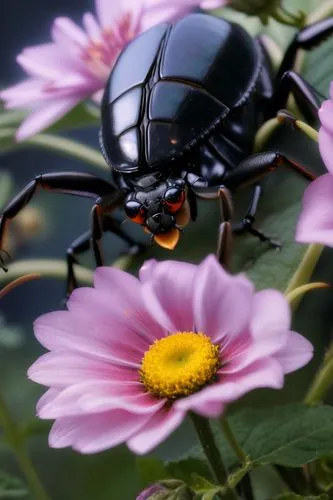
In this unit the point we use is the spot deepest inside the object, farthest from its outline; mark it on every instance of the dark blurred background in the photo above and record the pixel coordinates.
(111, 475)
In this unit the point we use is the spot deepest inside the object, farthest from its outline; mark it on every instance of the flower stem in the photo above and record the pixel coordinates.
(56, 143)
(245, 482)
(284, 17)
(323, 380)
(19, 449)
(305, 268)
(212, 453)
(54, 268)
(230, 437)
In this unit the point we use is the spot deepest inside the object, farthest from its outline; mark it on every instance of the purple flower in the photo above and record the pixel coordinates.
(131, 356)
(315, 224)
(77, 62)
(148, 493)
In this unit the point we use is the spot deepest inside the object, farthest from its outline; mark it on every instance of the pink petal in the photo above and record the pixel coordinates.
(109, 17)
(208, 409)
(97, 397)
(62, 368)
(63, 330)
(45, 61)
(64, 28)
(23, 93)
(262, 373)
(46, 116)
(271, 315)
(158, 12)
(133, 399)
(155, 431)
(91, 26)
(222, 303)
(95, 433)
(315, 224)
(213, 4)
(146, 271)
(117, 317)
(326, 148)
(326, 116)
(47, 398)
(168, 295)
(295, 354)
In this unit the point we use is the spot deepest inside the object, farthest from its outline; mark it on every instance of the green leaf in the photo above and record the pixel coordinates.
(151, 470)
(290, 435)
(211, 494)
(189, 470)
(294, 496)
(11, 487)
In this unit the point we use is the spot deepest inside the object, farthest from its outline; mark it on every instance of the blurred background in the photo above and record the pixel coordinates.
(60, 219)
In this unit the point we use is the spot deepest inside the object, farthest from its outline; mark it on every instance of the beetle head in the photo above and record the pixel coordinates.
(160, 206)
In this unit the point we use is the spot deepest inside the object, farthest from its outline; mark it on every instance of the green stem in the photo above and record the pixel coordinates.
(323, 380)
(212, 453)
(306, 267)
(242, 457)
(307, 130)
(282, 16)
(265, 133)
(54, 268)
(294, 296)
(230, 437)
(59, 144)
(322, 12)
(19, 449)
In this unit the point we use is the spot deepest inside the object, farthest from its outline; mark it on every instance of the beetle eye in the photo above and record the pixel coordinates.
(135, 211)
(174, 199)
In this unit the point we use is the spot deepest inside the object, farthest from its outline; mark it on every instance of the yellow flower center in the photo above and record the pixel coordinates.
(179, 365)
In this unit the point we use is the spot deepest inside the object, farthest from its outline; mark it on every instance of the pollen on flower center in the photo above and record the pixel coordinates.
(179, 365)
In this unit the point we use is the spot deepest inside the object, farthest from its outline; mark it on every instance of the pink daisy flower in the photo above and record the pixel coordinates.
(76, 64)
(131, 356)
(315, 224)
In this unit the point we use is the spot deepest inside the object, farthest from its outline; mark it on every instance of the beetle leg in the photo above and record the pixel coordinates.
(306, 39)
(73, 183)
(248, 220)
(305, 96)
(251, 170)
(256, 166)
(224, 239)
(100, 223)
(82, 244)
(192, 201)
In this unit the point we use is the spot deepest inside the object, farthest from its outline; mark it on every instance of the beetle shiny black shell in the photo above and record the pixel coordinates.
(171, 86)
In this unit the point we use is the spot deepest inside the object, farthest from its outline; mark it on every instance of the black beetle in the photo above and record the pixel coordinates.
(179, 116)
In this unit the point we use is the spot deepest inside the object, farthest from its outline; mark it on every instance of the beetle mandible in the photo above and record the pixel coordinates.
(179, 116)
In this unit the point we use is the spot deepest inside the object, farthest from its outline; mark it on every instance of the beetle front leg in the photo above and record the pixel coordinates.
(83, 242)
(102, 221)
(73, 183)
(80, 245)
(224, 239)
